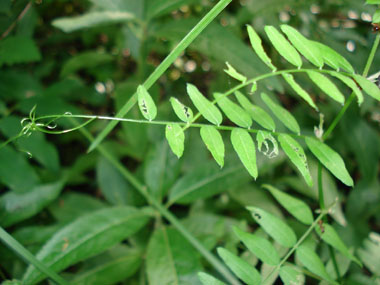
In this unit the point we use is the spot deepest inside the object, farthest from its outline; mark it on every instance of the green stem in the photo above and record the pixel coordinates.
(320, 188)
(335, 264)
(29, 258)
(219, 266)
(159, 71)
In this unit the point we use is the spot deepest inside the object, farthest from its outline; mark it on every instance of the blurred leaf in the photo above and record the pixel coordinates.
(297, 208)
(16, 207)
(370, 88)
(86, 237)
(274, 227)
(233, 111)
(176, 138)
(370, 251)
(351, 84)
(91, 19)
(18, 49)
(291, 275)
(326, 85)
(240, 267)
(207, 279)
(214, 142)
(330, 159)
(146, 104)
(171, 259)
(163, 7)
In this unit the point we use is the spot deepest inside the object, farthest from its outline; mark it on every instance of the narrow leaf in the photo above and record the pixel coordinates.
(259, 246)
(245, 148)
(303, 45)
(234, 74)
(312, 262)
(297, 208)
(330, 236)
(351, 84)
(274, 227)
(299, 90)
(183, 112)
(369, 87)
(240, 267)
(257, 114)
(207, 279)
(176, 138)
(282, 114)
(297, 155)
(326, 86)
(209, 111)
(146, 104)
(85, 237)
(233, 111)
(214, 142)
(330, 159)
(291, 275)
(284, 48)
(258, 48)
(262, 138)
(334, 59)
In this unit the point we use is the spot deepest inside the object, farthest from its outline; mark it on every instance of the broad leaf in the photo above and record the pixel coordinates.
(274, 227)
(257, 114)
(259, 246)
(233, 111)
(183, 112)
(282, 114)
(214, 143)
(351, 84)
(207, 279)
(297, 155)
(307, 256)
(304, 45)
(284, 48)
(176, 138)
(209, 111)
(18, 49)
(297, 208)
(299, 90)
(234, 74)
(334, 59)
(330, 236)
(85, 237)
(258, 48)
(171, 259)
(326, 86)
(146, 104)
(330, 159)
(291, 275)
(246, 150)
(369, 87)
(370, 251)
(240, 267)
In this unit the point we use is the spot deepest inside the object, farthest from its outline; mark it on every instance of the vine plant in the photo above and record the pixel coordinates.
(242, 112)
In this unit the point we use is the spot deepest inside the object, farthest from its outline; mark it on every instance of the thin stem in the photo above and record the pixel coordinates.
(29, 258)
(320, 188)
(13, 25)
(164, 65)
(335, 264)
(142, 189)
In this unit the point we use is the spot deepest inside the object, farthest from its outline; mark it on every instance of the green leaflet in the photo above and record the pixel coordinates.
(259, 246)
(297, 155)
(85, 237)
(274, 227)
(209, 111)
(326, 85)
(330, 236)
(284, 48)
(234, 74)
(258, 48)
(240, 267)
(245, 148)
(370, 251)
(299, 90)
(291, 275)
(369, 87)
(330, 159)
(146, 104)
(207, 279)
(312, 262)
(176, 138)
(214, 142)
(376, 17)
(257, 114)
(262, 138)
(297, 208)
(282, 114)
(306, 47)
(233, 111)
(334, 59)
(351, 84)
(183, 112)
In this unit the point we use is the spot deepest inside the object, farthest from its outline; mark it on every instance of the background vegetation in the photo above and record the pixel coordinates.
(54, 193)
